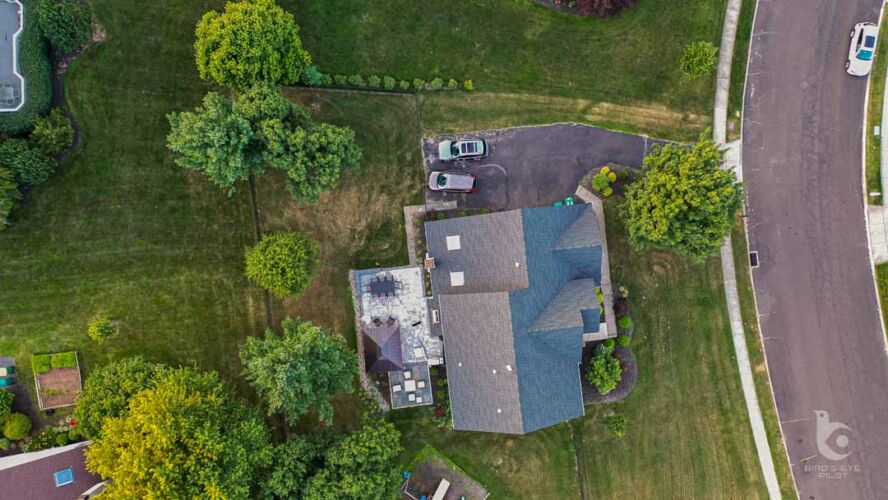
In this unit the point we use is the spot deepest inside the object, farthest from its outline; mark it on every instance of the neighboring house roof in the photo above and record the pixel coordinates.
(32, 475)
(513, 331)
(382, 347)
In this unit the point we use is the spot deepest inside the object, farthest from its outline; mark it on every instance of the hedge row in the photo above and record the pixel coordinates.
(42, 363)
(33, 58)
(313, 77)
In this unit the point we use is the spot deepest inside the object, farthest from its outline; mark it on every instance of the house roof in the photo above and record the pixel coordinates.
(29, 476)
(382, 347)
(530, 317)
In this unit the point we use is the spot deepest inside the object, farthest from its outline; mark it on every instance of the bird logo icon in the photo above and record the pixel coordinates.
(825, 430)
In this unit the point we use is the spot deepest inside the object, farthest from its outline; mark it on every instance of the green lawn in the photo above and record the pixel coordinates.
(738, 67)
(518, 47)
(874, 119)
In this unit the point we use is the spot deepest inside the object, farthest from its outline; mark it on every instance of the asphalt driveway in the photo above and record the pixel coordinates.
(533, 166)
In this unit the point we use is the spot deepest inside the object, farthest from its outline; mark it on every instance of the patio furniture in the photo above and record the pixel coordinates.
(396, 388)
(420, 384)
(411, 397)
(391, 321)
(419, 399)
(407, 374)
(409, 385)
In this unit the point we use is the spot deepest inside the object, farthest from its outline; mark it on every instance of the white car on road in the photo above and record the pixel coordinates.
(863, 48)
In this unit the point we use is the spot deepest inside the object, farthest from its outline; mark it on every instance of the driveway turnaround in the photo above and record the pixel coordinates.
(819, 312)
(533, 166)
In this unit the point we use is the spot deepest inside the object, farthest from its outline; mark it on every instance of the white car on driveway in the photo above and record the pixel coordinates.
(863, 48)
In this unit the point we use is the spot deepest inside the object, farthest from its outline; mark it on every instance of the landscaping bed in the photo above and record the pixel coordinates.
(57, 377)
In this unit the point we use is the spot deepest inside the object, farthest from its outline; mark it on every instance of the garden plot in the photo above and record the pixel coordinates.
(57, 377)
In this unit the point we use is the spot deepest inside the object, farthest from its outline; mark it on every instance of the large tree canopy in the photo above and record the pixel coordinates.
(108, 390)
(299, 369)
(294, 462)
(229, 141)
(185, 437)
(250, 42)
(685, 201)
(363, 465)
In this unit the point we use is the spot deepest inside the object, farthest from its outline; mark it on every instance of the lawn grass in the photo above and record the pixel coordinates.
(120, 230)
(882, 285)
(757, 360)
(874, 119)
(518, 47)
(738, 68)
(688, 435)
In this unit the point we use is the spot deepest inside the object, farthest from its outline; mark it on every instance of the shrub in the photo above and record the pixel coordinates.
(99, 329)
(388, 83)
(248, 43)
(63, 359)
(328, 80)
(612, 176)
(418, 84)
(442, 382)
(282, 263)
(604, 370)
(624, 322)
(9, 195)
(605, 170)
(41, 363)
(600, 182)
(624, 292)
(74, 435)
(602, 8)
(600, 295)
(340, 80)
(617, 424)
(312, 76)
(61, 439)
(440, 216)
(30, 165)
(437, 84)
(440, 395)
(699, 59)
(17, 426)
(468, 85)
(624, 175)
(67, 24)
(404, 84)
(4, 444)
(33, 63)
(6, 398)
(452, 84)
(356, 80)
(609, 344)
(607, 191)
(53, 133)
(374, 82)
(624, 340)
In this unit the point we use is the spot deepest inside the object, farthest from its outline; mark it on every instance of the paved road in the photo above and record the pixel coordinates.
(818, 304)
(535, 166)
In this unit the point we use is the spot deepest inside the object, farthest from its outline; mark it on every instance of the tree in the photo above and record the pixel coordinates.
(282, 263)
(299, 369)
(6, 398)
(30, 165)
(215, 141)
(17, 426)
(250, 42)
(604, 369)
(67, 24)
(319, 157)
(362, 465)
(185, 437)
(699, 59)
(108, 391)
(684, 202)
(9, 195)
(293, 463)
(99, 329)
(53, 133)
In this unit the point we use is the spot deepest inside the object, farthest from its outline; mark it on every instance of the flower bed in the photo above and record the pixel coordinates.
(57, 377)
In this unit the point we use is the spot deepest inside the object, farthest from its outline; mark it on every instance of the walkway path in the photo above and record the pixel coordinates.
(719, 119)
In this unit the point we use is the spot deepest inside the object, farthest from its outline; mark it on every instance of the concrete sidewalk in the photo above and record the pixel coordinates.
(733, 162)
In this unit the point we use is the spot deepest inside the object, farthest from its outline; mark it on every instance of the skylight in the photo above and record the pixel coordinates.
(457, 279)
(453, 242)
(63, 477)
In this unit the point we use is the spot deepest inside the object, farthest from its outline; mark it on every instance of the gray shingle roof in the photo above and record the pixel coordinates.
(529, 317)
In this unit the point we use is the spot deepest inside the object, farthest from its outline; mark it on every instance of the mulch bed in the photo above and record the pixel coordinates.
(624, 386)
(59, 387)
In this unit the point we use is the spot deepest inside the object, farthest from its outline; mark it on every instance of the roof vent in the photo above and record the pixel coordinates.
(459, 363)
(457, 279)
(494, 371)
(436, 316)
(499, 410)
(453, 242)
(429, 262)
(509, 367)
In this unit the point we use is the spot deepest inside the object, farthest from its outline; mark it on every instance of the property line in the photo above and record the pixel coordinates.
(719, 133)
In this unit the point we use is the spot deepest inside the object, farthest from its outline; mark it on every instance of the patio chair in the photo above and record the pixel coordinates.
(396, 388)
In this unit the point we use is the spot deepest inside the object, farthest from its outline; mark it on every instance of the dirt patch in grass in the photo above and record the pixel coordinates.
(59, 387)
